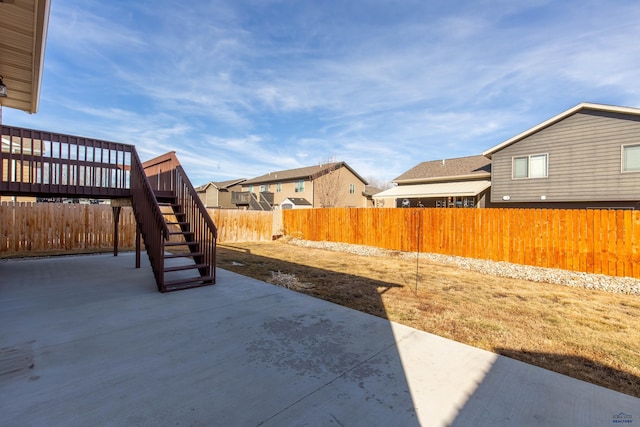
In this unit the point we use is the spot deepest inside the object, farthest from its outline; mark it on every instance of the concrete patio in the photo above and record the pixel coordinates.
(87, 340)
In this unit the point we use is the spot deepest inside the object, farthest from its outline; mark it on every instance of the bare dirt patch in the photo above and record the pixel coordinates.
(587, 334)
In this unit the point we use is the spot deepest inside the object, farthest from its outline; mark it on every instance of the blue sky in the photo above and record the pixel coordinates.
(240, 88)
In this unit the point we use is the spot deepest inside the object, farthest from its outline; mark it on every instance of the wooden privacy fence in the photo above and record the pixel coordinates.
(242, 226)
(50, 227)
(42, 227)
(592, 241)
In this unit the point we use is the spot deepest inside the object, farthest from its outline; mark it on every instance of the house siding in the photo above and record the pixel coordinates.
(345, 199)
(584, 162)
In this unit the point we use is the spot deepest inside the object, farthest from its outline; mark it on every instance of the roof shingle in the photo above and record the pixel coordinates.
(448, 169)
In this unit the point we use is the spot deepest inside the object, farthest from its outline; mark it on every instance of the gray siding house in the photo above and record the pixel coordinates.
(585, 157)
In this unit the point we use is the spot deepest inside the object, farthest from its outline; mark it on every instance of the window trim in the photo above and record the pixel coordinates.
(528, 157)
(352, 189)
(622, 150)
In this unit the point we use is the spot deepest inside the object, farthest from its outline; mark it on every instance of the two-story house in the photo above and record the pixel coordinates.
(461, 182)
(218, 194)
(329, 185)
(585, 157)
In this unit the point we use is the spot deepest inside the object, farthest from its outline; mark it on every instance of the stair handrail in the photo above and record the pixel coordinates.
(205, 230)
(149, 218)
(167, 175)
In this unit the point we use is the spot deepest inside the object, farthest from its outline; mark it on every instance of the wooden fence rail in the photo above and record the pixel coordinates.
(592, 241)
(49, 227)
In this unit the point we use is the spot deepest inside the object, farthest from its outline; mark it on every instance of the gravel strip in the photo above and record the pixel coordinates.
(621, 285)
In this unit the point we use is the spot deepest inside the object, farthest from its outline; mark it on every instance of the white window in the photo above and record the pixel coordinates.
(279, 187)
(631, 158)
(299, 187)
(534, 166)
(352, 189)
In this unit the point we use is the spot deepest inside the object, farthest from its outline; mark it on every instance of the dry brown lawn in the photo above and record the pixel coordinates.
(590, 335)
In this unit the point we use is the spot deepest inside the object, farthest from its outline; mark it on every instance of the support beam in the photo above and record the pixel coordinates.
(116, 220)
(138, 245)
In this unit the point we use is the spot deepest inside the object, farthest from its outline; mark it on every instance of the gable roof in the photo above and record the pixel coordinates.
(306, 173)
(229, 183)
(447, 170)
(221, 185)
(555, 119)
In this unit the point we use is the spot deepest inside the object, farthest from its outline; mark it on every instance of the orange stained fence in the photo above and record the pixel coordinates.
(592, 241)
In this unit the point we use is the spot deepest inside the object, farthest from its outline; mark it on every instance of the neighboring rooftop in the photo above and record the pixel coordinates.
(447, 169)
(220, 185)
(306, 173)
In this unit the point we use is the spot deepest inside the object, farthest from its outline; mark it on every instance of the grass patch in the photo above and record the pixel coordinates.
(590, 335)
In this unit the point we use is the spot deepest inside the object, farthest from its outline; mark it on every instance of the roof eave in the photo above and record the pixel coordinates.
(41, 25)
(555, 119)
(478, 175)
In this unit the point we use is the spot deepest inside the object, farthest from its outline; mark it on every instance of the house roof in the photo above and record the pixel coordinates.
(370, 190)
(437, 189)
(298, 201)
(447, 170)
(300, 173)
(229, 183)
(555, 119)
(221, 185)
(23, 31)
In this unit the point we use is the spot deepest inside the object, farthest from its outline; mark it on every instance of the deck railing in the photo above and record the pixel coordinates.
(47, 164)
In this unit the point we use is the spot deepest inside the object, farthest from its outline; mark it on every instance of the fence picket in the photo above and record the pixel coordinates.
(593, 241)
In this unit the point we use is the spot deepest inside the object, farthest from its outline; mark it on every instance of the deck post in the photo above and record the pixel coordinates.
(138, 245)
(116, 219)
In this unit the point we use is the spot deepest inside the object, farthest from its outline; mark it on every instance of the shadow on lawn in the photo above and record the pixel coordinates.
(360, 293)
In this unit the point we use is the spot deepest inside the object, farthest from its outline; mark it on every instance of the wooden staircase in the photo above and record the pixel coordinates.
(179, 235)
(185, 265)
(187, 256)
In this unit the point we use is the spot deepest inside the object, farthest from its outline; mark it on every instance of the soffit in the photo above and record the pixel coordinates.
(23, 32)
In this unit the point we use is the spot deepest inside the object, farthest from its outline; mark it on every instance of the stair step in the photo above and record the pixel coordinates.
(193, 282)
(184, 255)
(177, 223)
(184, 267)
(181, 243)
(184, 233)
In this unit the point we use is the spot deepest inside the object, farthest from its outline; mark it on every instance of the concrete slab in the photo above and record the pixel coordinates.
(88, 340)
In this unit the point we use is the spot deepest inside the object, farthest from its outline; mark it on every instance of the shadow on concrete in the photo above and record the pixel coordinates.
(517, 393)
(87, 340)
(593, 372)
(95, 344)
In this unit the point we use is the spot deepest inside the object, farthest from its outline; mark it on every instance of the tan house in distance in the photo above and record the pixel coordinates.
(328, 185)
(218, 194)
(461, 182)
